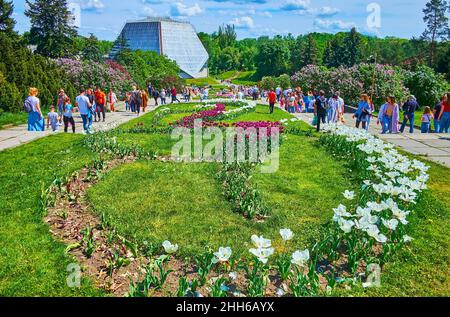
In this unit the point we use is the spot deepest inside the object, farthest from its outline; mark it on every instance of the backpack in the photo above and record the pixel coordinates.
(27, 106)
(137, 98)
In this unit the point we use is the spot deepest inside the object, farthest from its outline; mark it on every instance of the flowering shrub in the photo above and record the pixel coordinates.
(354, 81)
(84, 74)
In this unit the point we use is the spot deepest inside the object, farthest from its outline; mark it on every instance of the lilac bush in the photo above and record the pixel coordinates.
(84, 74)
(354, 81)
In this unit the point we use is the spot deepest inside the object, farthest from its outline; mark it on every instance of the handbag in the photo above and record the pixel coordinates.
(314, 121)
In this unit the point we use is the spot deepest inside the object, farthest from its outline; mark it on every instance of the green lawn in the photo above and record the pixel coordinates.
(32, 263)
(155, 201)
(8, 119)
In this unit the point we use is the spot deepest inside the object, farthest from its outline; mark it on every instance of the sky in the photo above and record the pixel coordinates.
(252, 18)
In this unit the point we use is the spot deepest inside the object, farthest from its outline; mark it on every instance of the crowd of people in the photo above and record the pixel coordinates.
(91, 104)
(391, 117)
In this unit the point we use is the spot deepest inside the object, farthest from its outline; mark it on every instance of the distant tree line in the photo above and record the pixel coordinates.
(288, 54)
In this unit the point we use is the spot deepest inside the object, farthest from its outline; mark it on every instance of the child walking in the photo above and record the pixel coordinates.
(427, 117)
(53, 119)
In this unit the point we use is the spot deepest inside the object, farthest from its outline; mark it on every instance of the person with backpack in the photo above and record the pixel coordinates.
(100, 101)
(156, 96)
(136, 100)
(320, 109)
(409, 108)
(32, 106)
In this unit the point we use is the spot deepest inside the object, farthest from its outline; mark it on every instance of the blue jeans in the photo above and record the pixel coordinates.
(408, 117)
(445, 122)
(87, 122)
(425, 127)
(387, 124)
(437, 126)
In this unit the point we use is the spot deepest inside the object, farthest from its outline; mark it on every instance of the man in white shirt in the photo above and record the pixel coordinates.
(84, 107)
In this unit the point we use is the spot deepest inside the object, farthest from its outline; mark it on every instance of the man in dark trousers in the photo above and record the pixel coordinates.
(409, 108)
(320, 108)
(272, 99)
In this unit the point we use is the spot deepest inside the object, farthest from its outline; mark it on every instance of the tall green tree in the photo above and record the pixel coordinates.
(437, 25)
(91, 50)
(352, 48)
(52, 29)
(226, 36)
(7, 23)
(273, 57)
(310, 52)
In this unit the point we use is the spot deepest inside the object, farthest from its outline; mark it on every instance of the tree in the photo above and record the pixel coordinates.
(226, 36)
(437, 25)
(272, 58)
(310, 53)
(335, 53)
(51, 27)
(91, 50)
(7, 23)
(352, 48)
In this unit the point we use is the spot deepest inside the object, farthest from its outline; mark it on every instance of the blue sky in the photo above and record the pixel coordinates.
(253, 18)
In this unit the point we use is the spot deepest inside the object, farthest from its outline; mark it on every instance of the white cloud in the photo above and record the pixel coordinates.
(326, 12)
(333, 25)
(91, 5)
(180, 9)
(295, 5)
(243, 22)
(149, 12)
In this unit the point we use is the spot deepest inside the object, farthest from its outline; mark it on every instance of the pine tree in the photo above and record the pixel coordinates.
(7, 23)
(334, 51)
(437, 25)
(51, 27)
(352, 48)
(310, 52)
(91, 50)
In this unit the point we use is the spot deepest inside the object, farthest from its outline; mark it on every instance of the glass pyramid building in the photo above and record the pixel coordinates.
(176, 40)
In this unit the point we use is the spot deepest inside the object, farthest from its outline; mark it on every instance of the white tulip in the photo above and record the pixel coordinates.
(169, 247)
(350, 195)
(223, 255)
(286, 234)
(262, 253)
(261, 242)
(407, 238)
(390, 224)
(300, 257)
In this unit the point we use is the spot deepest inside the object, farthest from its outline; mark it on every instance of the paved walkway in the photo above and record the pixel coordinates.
(16, 136)
(430, 146)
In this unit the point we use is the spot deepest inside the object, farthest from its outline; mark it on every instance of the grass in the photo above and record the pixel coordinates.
(8, 119)
(33, 263)
(201, 82)
(183, 202)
